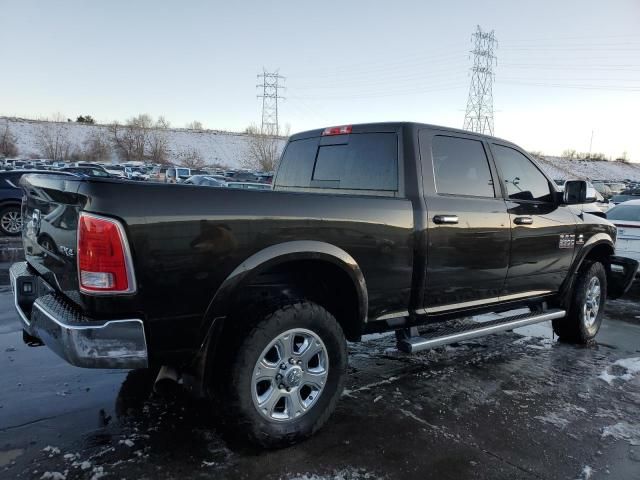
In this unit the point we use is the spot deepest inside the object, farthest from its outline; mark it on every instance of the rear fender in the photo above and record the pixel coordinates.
(222, 302)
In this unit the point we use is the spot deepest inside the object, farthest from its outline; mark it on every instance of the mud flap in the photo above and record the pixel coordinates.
(620, 276)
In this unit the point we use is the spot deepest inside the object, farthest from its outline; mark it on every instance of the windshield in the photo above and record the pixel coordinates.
(629, 213)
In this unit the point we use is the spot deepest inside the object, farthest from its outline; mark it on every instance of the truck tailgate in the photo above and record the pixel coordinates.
(50, 211)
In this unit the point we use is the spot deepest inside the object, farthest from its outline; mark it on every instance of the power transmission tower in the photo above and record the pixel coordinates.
(270, 95)
(479, 113)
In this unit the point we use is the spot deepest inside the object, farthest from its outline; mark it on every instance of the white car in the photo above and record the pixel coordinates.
(626, 218)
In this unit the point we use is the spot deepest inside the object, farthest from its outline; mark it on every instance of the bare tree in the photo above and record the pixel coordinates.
(195, 125)
(158, 145)
(96, 148)
(53, 141)
(8, 146)
(191, 158)
(132, 138)
(624, 158)
(263, 151)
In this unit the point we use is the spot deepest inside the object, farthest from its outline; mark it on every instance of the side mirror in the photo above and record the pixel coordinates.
(577, 192)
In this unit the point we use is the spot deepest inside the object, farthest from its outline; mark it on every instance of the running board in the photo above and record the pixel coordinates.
(447, 334)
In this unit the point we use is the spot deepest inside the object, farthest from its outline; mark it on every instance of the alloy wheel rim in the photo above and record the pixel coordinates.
(591, 305)
(11, 222)
(290, 375)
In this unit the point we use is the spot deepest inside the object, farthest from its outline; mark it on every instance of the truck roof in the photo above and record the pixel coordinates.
(393, 127)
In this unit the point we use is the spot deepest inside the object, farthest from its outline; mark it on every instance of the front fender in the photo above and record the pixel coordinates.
(600, 240)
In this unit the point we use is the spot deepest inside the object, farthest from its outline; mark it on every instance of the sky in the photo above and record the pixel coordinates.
(567, 73)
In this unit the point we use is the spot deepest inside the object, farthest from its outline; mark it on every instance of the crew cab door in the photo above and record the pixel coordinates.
(542, 230)
(468, 234)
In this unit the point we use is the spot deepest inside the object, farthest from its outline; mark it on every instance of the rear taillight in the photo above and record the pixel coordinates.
(104, 263)
(343, 130)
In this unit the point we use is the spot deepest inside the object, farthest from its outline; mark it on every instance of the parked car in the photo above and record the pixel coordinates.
(135, 173)
(177, 174)
(603, 189)
(116, 170)
(266, 178)
(98, 172)
(245, 177)
(626, 218)
(10, 201)
(625, 196)
(249, 185)
(205, 181)
(370, 228)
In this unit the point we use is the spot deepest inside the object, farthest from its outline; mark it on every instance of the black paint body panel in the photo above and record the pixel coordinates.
(187, 242)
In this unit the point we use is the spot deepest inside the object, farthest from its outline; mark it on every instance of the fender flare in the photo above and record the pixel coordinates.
(273, 255)
(600, 238)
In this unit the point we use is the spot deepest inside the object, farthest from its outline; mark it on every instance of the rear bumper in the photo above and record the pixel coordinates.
(78, 339)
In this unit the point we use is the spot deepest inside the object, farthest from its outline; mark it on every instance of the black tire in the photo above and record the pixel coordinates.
(6, 224)
(579, 326)
(234, 390)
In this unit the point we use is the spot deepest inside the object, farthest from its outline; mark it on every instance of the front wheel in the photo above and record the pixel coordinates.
(586, 310)
(285, 377)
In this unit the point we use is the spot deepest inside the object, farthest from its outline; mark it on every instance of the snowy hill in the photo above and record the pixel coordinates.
(227, 148)
(562, 168)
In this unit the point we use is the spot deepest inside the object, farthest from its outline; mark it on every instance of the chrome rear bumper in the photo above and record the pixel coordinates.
(76, 338)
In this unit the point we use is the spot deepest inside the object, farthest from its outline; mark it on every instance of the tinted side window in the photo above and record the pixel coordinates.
(460, 167)
(368, 162)
(523, 179)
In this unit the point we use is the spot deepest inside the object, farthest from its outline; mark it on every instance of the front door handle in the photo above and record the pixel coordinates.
(445, 219)
(523, 220)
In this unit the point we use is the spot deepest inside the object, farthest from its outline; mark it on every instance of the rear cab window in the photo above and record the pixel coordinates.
(357, 163)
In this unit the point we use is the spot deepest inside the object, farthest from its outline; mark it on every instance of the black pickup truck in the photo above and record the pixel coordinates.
(370, 228)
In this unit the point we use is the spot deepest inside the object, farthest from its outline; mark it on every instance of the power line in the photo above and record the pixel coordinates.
(479, 114)
(270, 95)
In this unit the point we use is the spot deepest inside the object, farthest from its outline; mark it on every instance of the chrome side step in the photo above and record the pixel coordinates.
(447, 335)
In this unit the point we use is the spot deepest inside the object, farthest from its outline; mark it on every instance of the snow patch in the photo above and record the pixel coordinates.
(53, 476)
(629, 367)
(553, 419)
(344, 474)
(623, 431)
(51, 450)
(587, 473)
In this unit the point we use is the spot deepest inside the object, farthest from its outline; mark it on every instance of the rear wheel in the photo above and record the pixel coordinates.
(585, 313)
(284, 379)
(11, 220)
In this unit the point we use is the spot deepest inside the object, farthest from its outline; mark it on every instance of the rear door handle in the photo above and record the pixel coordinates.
(523, 220)
(445, 219)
